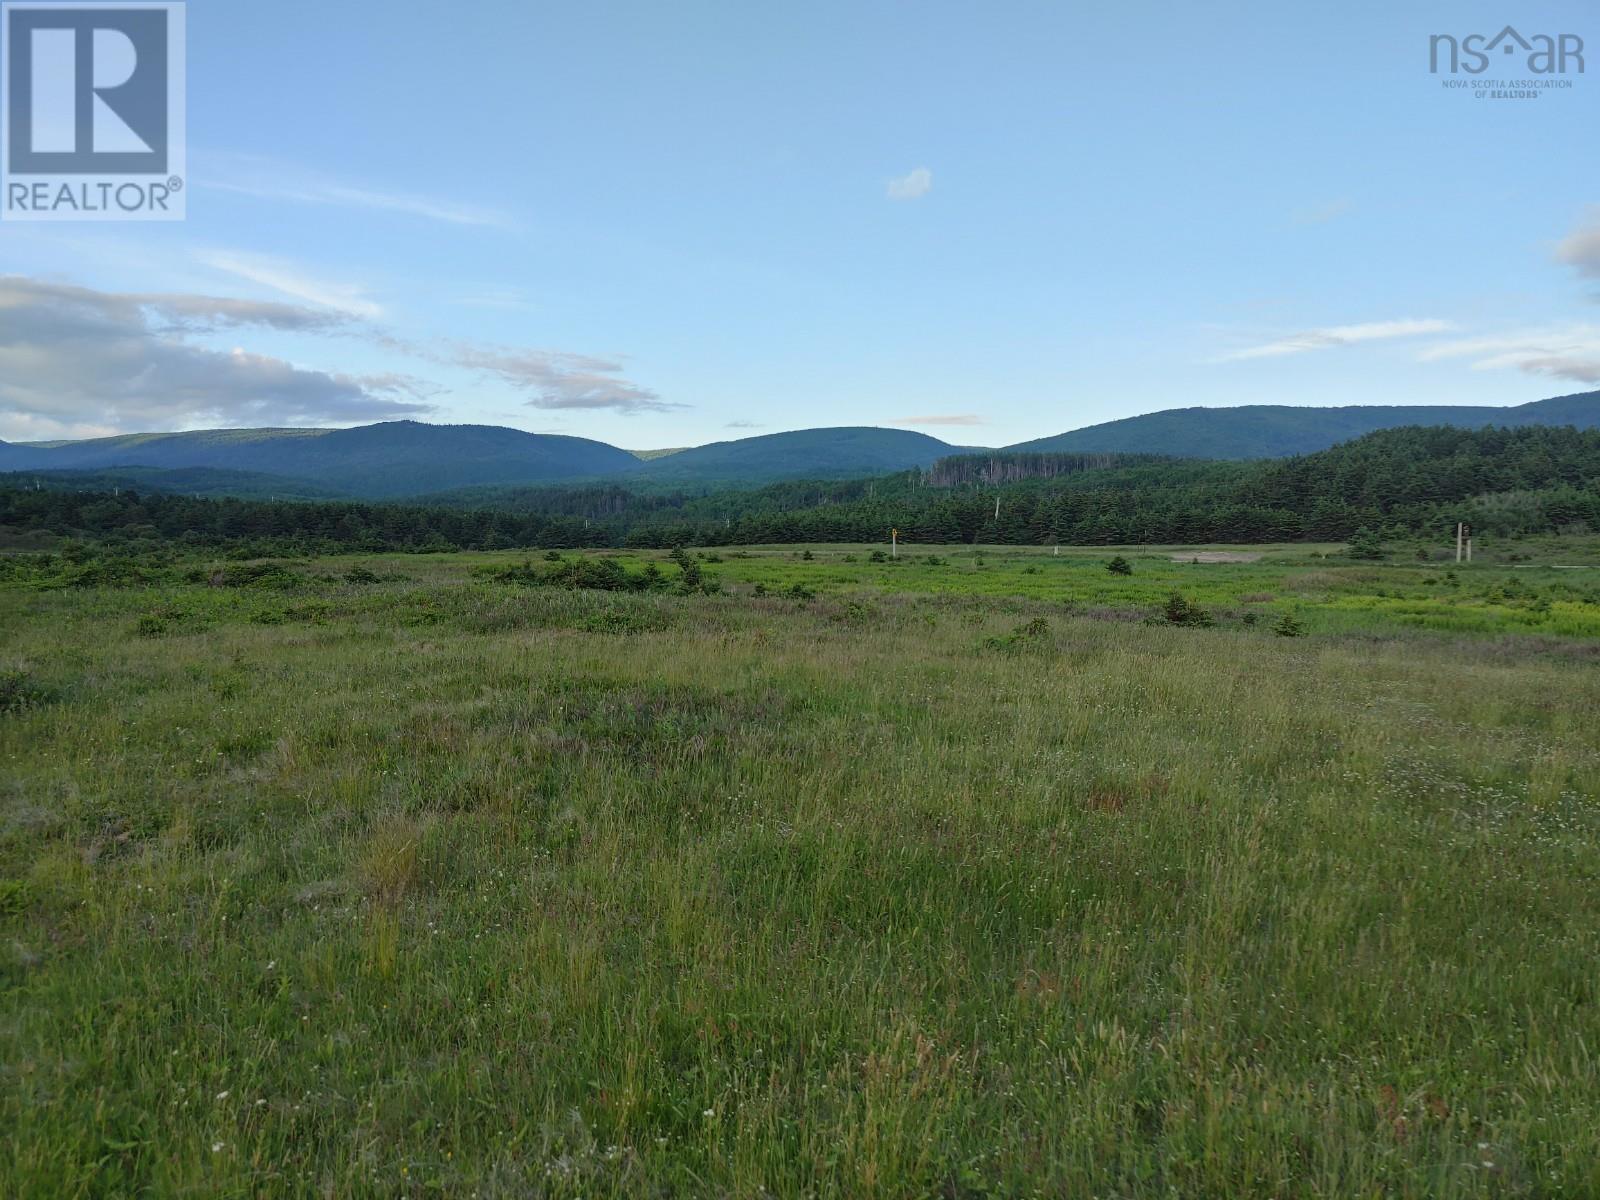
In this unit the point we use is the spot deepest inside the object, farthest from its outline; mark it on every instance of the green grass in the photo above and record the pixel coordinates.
(1329, 592)
(314, 883)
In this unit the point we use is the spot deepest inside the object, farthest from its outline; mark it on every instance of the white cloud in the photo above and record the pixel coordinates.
(1580, 249)
(560, 380)
(347, 298)
(196, 313)
(941, 419)
(1570, 352)
(1338, 335)
(912, 186)
(269, 179)
(74, 362)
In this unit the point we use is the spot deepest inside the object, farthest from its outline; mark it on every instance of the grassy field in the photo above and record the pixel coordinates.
(961, 878)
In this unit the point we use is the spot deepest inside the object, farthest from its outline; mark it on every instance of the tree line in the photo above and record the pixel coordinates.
(1397, 481)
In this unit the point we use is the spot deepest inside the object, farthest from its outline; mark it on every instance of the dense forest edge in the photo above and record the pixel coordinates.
(1392, 483)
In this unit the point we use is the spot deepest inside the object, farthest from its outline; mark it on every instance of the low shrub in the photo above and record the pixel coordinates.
(19, 692)
(1178, 611)
(1031, 635)
(1288, 625)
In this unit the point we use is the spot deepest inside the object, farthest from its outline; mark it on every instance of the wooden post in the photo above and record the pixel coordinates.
(1461, 534)
(894, 543)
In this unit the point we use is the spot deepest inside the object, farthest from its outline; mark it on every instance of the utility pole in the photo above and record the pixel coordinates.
(1461, 539)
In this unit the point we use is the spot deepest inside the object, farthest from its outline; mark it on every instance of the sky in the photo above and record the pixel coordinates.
(663, 224)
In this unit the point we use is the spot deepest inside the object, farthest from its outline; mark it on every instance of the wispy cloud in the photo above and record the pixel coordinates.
(1580, 249)
(913, 185)
(75, 362)
(941, 419)
(556, 379)
(744, 425)
(184, 313)
(1568, 352)
(291, 280)
(1338, 335)
(271, 180)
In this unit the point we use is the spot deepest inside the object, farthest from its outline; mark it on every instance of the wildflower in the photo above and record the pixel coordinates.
(223, 1095)
(216, 1147)
(710, 1114)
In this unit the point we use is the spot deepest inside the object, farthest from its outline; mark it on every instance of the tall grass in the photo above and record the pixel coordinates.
(437, 885)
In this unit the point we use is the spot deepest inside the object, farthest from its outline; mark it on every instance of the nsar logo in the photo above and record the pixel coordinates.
(92, 111)
(1541, 54)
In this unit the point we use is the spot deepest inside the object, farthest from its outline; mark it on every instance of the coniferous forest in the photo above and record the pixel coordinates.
(1400, 481)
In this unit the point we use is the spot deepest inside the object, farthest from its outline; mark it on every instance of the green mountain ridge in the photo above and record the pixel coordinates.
(1277, 431)
(812, 453)
(408, 459)
(1392, 483)
(396, 458)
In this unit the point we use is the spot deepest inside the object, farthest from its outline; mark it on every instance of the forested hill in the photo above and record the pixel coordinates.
(1273, 431)
(1012, 466)
(1507, 481)
(801, 454)
(394, 458)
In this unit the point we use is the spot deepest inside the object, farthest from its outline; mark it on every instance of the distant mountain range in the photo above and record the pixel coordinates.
(812, 453)
(407, 458)
(396, 458)
(1280, 430)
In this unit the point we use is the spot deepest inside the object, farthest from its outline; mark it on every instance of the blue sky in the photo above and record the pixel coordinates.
(661, 224)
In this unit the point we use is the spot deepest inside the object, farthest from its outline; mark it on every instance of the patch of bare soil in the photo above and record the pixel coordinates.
(1218, 556)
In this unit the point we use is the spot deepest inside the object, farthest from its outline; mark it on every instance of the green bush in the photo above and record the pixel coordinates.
(1366, 545)
(1031, 635)
(1288, 625)
(267, 576)
(151, 625)
(1178, 611)
(13, 897)
(19, 692)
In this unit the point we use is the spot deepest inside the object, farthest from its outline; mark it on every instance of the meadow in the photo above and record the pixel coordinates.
(969, 874)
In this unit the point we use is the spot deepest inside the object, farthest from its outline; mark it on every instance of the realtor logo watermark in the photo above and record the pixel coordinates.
(92, 111)
(1527, 67)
